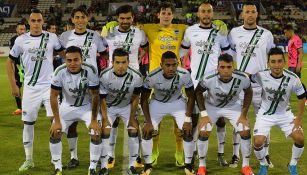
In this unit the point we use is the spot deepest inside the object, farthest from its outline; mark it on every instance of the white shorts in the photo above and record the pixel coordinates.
(264, 123)
(158, 110)
(231, 113)
(70, 114)
(32, 99)
(122, 112)
(256, 100)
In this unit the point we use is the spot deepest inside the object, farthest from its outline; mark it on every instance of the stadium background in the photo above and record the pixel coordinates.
(273, 15)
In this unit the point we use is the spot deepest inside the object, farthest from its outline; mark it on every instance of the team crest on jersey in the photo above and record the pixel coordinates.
(176, 31)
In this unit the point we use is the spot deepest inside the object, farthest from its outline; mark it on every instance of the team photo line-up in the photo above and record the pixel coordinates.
(227, 72)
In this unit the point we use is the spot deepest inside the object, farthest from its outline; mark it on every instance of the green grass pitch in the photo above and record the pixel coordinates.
(12, 153)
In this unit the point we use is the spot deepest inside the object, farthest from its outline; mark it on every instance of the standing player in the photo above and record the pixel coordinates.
(206, 45)
(90, 43)
(120, 88)
(36, 50)
(79, 83)
(17, 67)
(223, 87)
(251, 44)
(277, 85)
(167, 83)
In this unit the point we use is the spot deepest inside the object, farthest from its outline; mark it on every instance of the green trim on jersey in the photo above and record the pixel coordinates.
(87, 44)
(82, 85)
(90, 66)
(205, 55)
(122, 92)
(277, 95)
(171, 92)
(128, 40)
(182, 72)
(250, 48)
(38, 63)
(291, 73)
(240, 73)
(211, 76)
(105, 71)
(57, 70)
(155, 72)
(231, 93)
(135, 71)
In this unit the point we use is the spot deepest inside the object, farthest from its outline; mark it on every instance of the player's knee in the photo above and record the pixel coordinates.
(148, 137)
(187, 137)
(96, 140)
(220, 122)
(203, 135)
(55, 140)
(259, 141)
(133, 133)
(72, 130)
(29, 123)
(116, 123)
(245, 134)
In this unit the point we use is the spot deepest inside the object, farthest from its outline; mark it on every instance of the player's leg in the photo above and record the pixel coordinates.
(18, 111)
(179, 155)
(155, 145)
(72, 140)
(112, 140)
(236, 139)
(195, 135)
(221, 132)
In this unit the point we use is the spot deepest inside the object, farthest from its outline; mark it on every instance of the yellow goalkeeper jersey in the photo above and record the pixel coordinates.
(162, 40)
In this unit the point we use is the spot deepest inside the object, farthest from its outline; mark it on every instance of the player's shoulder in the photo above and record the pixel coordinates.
(105, 71)
(192, 28)
(290, 74)
(180, 26)
(59, 70)
(182, 71)
(67, 33)
(21, 38)
(89, 68)
(50, 35)
(240, 74)
(155, 72)
(210, 75)
(134, 72)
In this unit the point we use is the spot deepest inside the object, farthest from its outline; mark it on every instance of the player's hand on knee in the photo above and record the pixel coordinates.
(55, 130)
(15, 91)
(297, 124)
(147, 130)
(187, 128)
(203, 122)
(94, 128)
(221, 26)
(244, 121)
(133, 123)
(108, 28)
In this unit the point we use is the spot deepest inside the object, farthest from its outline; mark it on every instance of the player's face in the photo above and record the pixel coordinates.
(36, 23)
(52, 29)
(287, 34)
(205, 14)
(80, 20)
(165, 16)
(21, 29)
(125, 20)
(225, 70)
(276, 63)
(73, 62)
(69, 27)
(249, 14)
(120, 65)
(169, 67)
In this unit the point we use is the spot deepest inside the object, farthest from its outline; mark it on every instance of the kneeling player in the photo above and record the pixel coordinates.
(223, 87)
(277, 85)
(167, 83)
(120, 88)
(79, 84)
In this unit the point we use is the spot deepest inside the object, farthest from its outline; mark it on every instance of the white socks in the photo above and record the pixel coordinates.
(72, 143)
(28, 139)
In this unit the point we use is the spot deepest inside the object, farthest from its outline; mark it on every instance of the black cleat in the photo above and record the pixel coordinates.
(132, 171)
(103, 171)
(73, 163)
(234, 162)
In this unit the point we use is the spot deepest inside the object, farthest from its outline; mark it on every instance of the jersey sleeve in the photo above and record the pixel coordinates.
(102, 89)
(188, 82)
(224, 43)
(148, 83)
(270, 41)
(186, 43)
(298, 88)
(247, 83)
(93, 81)
(255, 78)
(138, 86)
(57, 44)
(56, 82)
(100, 45)
(298, 43)
(203, 83)
(16, 50)
(63, 40)
(144, 41)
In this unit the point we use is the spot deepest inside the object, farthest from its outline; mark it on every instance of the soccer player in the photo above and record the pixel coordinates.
(223, 87)
(51, 27)
(90, 43)
(167, 83)
(79, 83)
(120, 88)
(36, 50)
(17, 67)
(277, 85)
(206, 45)
(251, 44)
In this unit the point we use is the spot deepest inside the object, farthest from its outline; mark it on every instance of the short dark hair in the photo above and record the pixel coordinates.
(49, 24)
(81, 9)
(74, 49)
(250, 3)
(120, 52)
(21, 23)
(226, 58)
(276, 51)
(124, 9)
(36, 11)
(168, 55)
(165, 5)
(289, 27)
(69, 22)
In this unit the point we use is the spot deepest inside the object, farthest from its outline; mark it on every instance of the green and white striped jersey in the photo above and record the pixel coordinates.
(168, 90)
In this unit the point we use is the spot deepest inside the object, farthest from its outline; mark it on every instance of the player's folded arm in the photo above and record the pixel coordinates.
(56, 87)
(12, 57)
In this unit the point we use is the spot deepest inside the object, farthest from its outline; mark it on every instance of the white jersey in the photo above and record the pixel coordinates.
(119, 89)
(251, 47)
(276, 92)
(75, 86)
(131, 41)
(36, 56)
(206, 45)
(224, 94)
(168, 90)
(90, 42)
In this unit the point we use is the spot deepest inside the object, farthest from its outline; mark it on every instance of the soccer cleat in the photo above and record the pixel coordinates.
(292, 169)
(189, 169)
(111, 163)
(138, 163)
(57, 172)
(221, 160)
(73, 163)
(263, 170)
(103, 171)
(28, 164)
(179, 159)
(147, 169)
(17, 112)
(234, 162)
(267, 157)
(247, 170)
(201, 170)
(154, 157)
(91, 172)
(132, 171)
